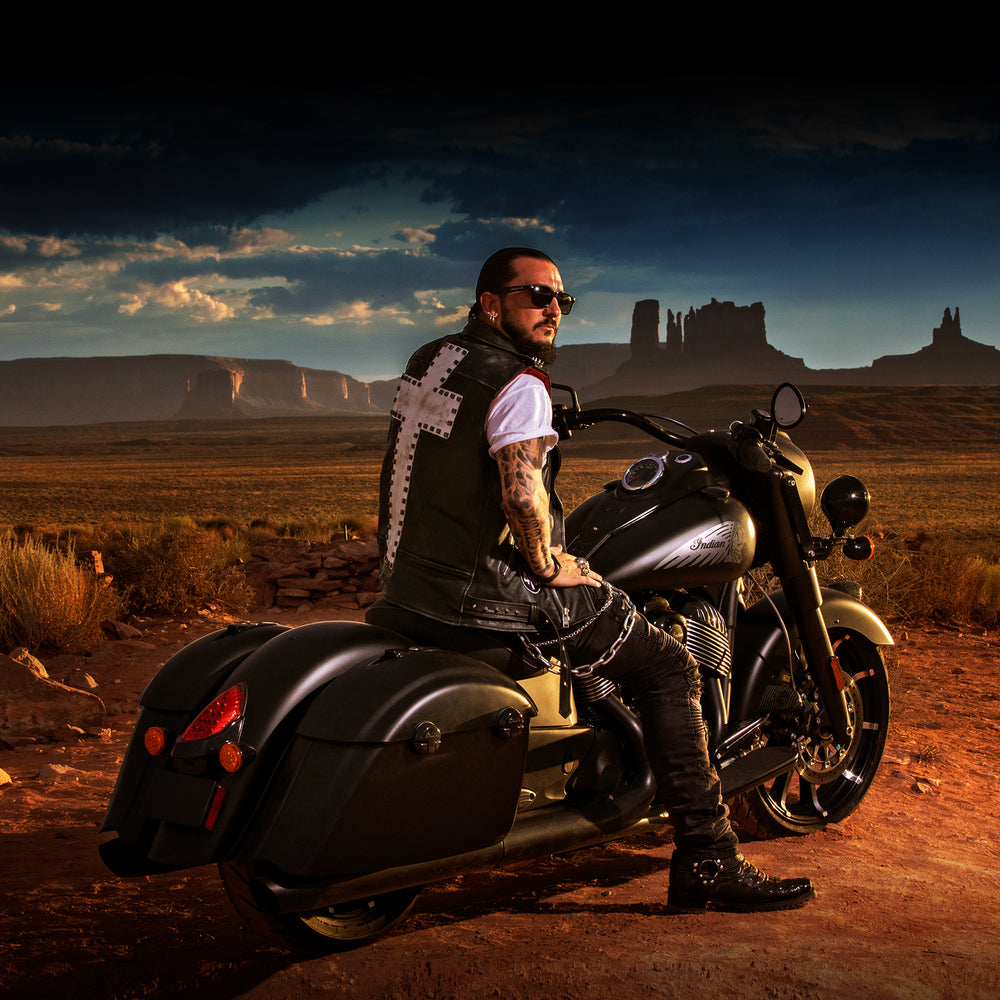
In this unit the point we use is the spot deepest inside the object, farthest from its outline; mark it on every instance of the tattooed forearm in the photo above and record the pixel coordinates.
(526, 502)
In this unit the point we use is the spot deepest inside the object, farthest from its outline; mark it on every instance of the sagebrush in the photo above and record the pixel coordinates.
(47, 600)
(176, 567)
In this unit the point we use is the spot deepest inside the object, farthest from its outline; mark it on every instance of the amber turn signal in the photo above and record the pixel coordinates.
(155, 741)
(231, 757)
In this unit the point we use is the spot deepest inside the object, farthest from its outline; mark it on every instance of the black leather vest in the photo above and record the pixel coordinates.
(446, 549)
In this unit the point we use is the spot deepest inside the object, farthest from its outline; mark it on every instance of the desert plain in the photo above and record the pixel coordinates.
(906, 887)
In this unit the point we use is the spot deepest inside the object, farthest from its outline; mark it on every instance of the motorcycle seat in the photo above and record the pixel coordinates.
(490, 647)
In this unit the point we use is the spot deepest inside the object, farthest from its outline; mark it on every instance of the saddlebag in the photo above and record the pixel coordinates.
(416, 756)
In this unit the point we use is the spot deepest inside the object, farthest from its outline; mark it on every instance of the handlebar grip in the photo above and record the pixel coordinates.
(753, 456)
(748, 447)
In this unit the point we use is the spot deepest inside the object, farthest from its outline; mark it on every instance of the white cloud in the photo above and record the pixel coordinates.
(516, 222)
(358, 313)
(419, 236)
(179, 296)
(454, 319)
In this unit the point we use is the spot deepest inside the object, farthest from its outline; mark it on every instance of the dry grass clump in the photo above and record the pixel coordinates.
(176, 567)
(344, 526)
(920, 578)
(46, 599)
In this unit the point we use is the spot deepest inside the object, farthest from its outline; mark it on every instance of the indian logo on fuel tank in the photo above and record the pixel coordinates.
(725, 543)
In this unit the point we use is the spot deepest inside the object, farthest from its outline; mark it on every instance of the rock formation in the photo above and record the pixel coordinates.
(39, 391)
(645, 331)
(722, 343)
(949, 359)
(719, 342)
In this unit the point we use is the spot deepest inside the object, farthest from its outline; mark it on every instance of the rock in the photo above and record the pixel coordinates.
(50, 771)
(5, 778)
(119, 630)
(30, 700)
(358, 550)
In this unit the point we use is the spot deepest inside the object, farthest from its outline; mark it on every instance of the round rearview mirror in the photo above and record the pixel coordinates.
(787, 406)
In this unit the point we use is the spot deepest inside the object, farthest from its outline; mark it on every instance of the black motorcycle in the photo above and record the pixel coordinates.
(333, 769)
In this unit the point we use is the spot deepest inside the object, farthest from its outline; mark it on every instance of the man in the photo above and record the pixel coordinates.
(471, 534)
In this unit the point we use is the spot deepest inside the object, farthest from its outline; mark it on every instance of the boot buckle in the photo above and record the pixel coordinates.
(708, 870)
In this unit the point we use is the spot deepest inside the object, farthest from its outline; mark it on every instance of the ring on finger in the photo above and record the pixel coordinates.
(583, 566)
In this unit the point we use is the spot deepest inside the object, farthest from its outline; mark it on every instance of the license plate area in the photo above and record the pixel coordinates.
(179, 798)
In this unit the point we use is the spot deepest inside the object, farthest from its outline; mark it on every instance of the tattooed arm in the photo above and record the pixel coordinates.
(526, 505)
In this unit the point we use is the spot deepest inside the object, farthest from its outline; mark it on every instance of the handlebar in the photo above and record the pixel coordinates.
(569, 420)
(751, 448)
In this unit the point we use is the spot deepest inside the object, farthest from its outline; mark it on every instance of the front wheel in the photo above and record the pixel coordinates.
(329, 928)
(827, 784)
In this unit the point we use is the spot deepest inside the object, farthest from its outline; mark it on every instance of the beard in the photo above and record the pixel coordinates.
(520, 336)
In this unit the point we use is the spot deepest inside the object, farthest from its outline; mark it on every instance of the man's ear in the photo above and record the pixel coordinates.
(489, 302)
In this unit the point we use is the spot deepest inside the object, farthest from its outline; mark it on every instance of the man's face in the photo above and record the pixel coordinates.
(530, 329)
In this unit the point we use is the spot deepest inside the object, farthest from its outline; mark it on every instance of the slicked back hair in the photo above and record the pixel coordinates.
(498, 270)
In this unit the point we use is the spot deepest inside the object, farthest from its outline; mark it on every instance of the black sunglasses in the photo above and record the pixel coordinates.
(542, 295)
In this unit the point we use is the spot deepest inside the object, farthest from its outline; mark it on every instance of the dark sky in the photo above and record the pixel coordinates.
(339, 219)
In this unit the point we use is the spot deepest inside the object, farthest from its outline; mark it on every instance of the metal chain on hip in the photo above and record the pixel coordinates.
(609, 654)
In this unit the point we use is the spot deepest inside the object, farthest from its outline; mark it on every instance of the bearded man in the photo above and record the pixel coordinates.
(471, 538)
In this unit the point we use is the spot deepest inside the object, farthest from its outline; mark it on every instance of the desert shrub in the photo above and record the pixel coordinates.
(176, 567)
(913, 578)
(948, 580)
(47, 600)
(922, 577)
(337, 527)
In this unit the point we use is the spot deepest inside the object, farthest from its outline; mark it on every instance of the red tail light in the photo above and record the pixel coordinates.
(226, 708)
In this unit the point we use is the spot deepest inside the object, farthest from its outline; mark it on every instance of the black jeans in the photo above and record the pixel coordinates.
(665, 684)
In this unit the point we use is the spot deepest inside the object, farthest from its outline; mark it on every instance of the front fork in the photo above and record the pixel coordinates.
(792, 564)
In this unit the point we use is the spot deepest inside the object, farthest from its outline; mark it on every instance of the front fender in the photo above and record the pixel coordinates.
(761, 652)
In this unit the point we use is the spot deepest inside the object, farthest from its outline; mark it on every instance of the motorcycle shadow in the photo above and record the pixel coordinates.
(545, 885)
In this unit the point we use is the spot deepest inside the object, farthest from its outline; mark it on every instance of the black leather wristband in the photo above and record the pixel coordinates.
(553, 575)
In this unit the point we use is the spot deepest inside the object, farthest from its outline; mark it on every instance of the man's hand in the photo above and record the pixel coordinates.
(571, 571)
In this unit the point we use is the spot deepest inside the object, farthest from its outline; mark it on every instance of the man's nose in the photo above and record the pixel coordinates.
(553, 307)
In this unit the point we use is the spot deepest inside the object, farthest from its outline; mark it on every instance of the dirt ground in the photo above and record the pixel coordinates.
(907, 888)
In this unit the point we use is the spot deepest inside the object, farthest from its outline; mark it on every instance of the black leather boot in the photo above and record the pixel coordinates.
(729, 882)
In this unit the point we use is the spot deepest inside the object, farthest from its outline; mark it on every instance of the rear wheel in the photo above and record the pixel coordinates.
(329, 928)
(828, 782)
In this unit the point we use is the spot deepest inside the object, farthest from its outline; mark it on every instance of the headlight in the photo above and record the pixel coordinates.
(845, 502)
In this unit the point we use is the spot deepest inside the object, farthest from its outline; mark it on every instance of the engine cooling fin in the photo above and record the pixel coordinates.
(707, 637)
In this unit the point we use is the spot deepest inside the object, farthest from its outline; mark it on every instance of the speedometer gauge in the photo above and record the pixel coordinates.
(642, 474)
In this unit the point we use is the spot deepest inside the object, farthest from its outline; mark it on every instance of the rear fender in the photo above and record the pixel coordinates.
(186, 680)
(761, 652)
(181, 687)
(159, 809)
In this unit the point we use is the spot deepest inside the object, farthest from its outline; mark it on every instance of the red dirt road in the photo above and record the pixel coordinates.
(908, 889)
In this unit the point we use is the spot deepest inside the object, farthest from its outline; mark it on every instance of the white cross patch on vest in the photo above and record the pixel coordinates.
(420, 405)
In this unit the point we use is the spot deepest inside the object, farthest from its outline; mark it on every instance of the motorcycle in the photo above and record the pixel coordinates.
(333, 769)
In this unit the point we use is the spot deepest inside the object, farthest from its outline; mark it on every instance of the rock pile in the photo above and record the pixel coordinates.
(30, 699)
(290, 573)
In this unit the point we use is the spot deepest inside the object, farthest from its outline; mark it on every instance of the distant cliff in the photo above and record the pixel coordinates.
(722, 343)
(46, 391)
(718, 343)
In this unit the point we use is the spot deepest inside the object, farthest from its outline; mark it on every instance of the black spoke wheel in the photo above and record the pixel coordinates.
(329, 928)
(828, 782)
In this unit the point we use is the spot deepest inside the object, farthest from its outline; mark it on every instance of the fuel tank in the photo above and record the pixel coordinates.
(670, 521)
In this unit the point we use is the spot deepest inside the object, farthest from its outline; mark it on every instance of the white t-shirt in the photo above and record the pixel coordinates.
(521, 411)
